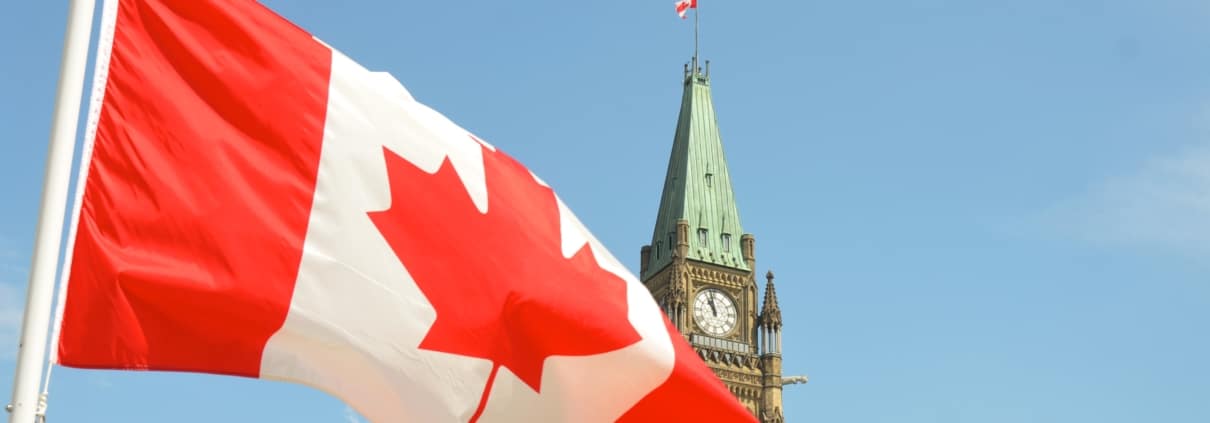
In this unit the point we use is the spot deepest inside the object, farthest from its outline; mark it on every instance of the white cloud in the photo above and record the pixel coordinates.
(351, 415)
(11, 273)
(1163, 205)
(12, 265)
(11, 300)
(99, 381)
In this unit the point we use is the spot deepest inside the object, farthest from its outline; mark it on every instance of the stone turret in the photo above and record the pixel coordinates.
(769, 326)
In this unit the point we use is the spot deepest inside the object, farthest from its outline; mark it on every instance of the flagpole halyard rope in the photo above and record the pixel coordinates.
(100, 76)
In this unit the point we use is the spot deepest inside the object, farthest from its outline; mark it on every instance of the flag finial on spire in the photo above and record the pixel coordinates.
(682, 7)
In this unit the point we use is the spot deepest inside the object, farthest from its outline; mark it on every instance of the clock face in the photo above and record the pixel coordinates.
(714, 312)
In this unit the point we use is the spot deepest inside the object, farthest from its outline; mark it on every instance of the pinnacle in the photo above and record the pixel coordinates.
(770, 313)
(770, 293)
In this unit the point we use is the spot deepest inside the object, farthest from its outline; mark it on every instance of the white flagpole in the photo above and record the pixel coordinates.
(696, 13)
(35, 325)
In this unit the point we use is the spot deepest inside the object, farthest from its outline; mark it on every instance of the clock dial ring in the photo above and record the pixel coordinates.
(714, 312)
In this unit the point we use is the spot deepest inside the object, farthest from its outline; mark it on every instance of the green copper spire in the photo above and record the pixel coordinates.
(697, 187)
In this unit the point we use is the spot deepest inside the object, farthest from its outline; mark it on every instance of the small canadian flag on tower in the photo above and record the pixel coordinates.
(683, 6)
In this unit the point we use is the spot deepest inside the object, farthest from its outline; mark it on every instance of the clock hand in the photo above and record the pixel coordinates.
(714, 310)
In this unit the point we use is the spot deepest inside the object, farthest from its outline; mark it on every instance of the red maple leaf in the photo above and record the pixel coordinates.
(499, 282)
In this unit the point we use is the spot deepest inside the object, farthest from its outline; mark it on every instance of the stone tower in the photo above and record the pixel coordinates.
(701, 266)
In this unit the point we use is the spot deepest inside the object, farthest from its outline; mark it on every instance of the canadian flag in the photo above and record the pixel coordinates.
(683, 6)
(254, 203)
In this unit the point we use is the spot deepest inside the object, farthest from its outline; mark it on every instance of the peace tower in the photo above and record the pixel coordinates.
(701, 266)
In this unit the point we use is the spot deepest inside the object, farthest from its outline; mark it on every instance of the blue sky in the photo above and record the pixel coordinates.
(978, 211)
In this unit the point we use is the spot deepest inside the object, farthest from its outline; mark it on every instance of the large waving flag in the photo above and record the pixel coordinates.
(254, 203)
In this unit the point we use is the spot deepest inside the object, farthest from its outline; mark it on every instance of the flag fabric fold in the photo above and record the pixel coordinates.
(254, 203)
